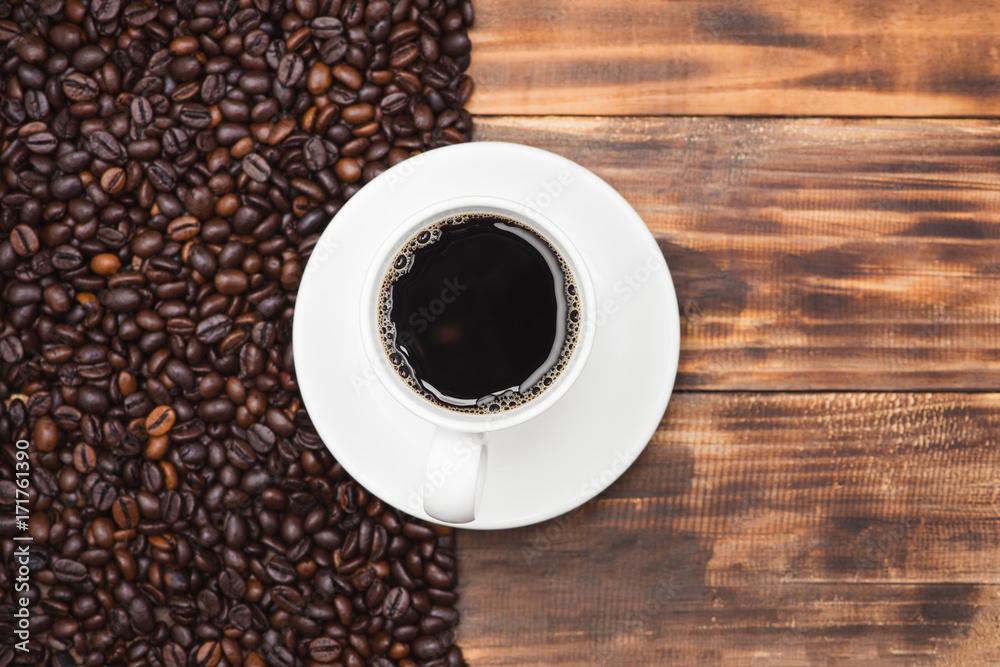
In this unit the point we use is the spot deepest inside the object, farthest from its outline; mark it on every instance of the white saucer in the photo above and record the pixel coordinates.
(608, 415)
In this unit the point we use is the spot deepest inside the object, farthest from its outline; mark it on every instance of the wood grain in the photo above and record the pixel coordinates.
(763, 529)
(737, 57)
(811, 254)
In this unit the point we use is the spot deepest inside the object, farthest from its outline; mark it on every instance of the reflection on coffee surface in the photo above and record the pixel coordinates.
(478, 313)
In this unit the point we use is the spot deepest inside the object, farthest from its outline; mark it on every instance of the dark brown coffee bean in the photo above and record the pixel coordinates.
(105, 146)
(170, 506)
(11, 349)
(396, 603)
(66, 258)
(325, 27)
(105, 10)
(288, 599)
(24, 240)
(144, 149)
(217, 410)
(213, 329)
(291, 69)
(66, 187)
(232, 584)
(195, 116)
(121, 300)
(426, 648)
(456, 43)
(92, 399)
(256, 167)
(324, 650)
(125, 512)
(162, 175)
(103, 495)
(69, 571)
(42, 143)
(213, 89)
(79, 87)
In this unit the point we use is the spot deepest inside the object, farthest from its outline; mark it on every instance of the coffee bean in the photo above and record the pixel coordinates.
(288, 599)
(232, 584)
(214, 328)
(125, 512)
(291, 69)
(396, 603)
(103, 495)
(324, 650)
(24, 240)
(66, 187)
(11, 349)
(195, 116)
(79, 87)
(333, 49)
(160, 420)
(216, 410)
(456, 43)
(113, 180)
(162, 175)
(105, 10)
(348, 170)
(256, 167)
(106, 147)
(69, 571)
(42, 143)
(121, 300)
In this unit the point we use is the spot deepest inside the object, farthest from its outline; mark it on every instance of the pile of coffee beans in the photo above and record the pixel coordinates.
(167, 167)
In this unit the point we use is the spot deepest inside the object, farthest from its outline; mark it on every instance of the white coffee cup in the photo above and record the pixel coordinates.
(458, 449)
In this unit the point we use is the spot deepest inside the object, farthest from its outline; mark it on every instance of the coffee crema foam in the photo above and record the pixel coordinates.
(570, 317)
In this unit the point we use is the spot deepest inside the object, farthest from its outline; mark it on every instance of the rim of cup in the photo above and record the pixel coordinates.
(371, 289)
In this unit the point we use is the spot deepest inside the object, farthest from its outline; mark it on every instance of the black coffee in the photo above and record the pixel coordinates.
(479, 313)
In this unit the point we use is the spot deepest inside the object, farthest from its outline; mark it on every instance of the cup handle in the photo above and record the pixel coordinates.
(456, 473)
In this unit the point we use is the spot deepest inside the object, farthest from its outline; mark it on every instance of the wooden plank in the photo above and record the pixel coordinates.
(811, 254)
(737, 57)
(763, 529)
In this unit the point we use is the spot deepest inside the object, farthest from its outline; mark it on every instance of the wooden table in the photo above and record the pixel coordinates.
(822, 178)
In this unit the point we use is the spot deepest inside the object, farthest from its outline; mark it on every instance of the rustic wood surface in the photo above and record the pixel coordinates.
(811, 253)
(763, 529)
(825, 486)
(737, 57)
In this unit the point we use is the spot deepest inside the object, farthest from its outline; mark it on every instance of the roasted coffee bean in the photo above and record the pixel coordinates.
(24, 240)
(121, 300)
(291, 69)
(125, 512)
(216, 410)
(105, 10)
(105, 146)
(195, 116)
(42, 143)
(69, 571)
(324, 650)
(214, 328)
(256, 167)
(113, 180)
(288, 599)
(396, 603)
(103, 495)
(79, 87)
(160, 420)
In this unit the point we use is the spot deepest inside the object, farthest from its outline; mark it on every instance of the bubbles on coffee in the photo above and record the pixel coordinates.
(478, 313)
